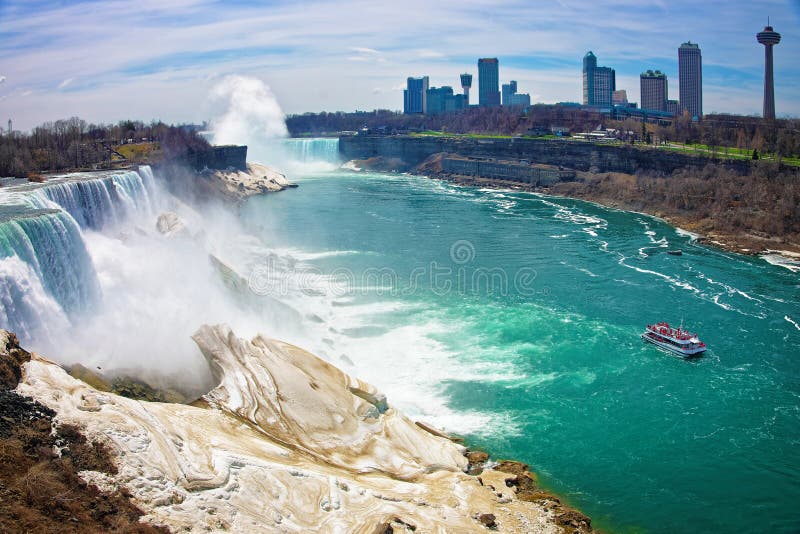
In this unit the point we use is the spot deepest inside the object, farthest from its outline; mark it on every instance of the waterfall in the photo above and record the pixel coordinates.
(25, 306)
(314, 150)
(97, 202)
(46, 273)
(44, 265)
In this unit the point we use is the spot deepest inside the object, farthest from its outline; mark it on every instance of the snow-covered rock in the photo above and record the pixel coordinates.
(284, 443)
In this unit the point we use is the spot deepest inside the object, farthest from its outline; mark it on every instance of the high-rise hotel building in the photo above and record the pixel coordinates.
(690, 78)
(653, 86)
(415, 96)
(488, 82)
(599, 83)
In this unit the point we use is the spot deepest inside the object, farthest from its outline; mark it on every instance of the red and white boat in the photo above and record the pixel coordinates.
(676, 340)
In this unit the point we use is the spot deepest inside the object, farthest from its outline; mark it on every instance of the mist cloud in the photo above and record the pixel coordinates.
(246, 111)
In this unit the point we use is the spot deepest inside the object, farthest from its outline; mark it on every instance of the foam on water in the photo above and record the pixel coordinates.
(376, 341)
(780, 260)
(685, 233)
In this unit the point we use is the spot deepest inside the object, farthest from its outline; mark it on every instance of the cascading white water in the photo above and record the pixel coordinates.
(46, 272)
(316, 150)
(52, 246)
(115, 293)
(96, 202)
(26, 308)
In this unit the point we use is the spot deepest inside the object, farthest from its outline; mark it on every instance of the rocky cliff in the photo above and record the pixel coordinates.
(288, 443)
(218, 157)
(230, 184)
(580, 156)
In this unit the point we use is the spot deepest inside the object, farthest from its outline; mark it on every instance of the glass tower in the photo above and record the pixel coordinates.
(488, 82)
(690, 78)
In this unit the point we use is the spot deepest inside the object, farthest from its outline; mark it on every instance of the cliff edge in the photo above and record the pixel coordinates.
(235, 184)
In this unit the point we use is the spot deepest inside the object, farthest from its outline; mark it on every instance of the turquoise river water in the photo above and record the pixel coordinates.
(510, 318)
(514, 318)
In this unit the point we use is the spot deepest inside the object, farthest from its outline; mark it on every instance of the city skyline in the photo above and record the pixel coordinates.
(84, 59)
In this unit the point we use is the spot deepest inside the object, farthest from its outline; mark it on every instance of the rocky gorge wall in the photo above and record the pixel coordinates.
(219, 158)
(580, 156)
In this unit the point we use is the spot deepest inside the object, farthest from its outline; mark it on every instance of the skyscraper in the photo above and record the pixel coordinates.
(768, 38)
(488, 82)
(598, 82)
(589, 65)
(466, 83)
(653, 87)
(415, 96)
(605, 83)
(511, 98)
(508, 90)
(443, 100)
(690, 78)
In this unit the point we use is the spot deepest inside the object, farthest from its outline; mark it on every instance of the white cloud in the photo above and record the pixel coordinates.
(331, 55)
(364, 50)
(432, 54)
(2, 79)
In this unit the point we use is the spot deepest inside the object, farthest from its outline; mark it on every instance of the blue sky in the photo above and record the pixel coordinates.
(105, 60)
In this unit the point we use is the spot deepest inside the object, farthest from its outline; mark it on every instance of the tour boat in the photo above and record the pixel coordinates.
(676, 340)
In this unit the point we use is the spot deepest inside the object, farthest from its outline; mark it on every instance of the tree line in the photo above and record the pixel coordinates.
(72, 144)
(496, 120)
(780, 137)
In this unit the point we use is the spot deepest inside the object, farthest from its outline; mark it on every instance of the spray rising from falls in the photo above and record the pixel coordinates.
(247, 113)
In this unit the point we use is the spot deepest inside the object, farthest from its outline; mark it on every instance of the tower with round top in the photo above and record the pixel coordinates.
(768, 38)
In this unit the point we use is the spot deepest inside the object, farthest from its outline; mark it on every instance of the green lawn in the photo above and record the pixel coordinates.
(693, 149)
(140, 152)
(733, 152)
(432, 133)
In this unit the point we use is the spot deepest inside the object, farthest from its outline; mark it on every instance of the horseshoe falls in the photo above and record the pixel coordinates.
(319, 150)
(297, 157)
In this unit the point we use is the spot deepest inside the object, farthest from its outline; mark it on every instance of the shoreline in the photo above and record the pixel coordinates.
(744, 244)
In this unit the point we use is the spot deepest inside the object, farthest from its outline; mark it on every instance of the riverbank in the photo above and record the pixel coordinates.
(707, 230)
(738, 205)
(734, 226)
